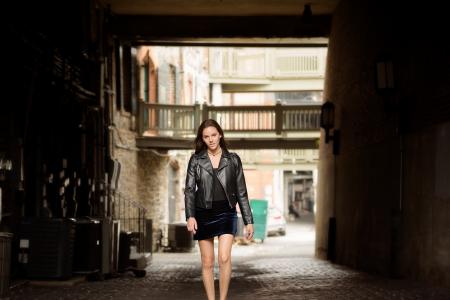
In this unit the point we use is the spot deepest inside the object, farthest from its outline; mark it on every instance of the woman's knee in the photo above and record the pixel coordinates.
(208, 262)
(224, 258)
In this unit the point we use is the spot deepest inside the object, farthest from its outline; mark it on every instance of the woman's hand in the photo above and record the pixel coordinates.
(192, 225)
(249, 231)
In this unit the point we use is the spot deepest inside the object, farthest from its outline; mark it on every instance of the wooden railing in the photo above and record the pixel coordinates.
(266, 63)
(165, 119)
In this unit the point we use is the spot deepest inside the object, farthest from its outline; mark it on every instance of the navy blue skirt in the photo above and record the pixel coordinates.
(220, 219)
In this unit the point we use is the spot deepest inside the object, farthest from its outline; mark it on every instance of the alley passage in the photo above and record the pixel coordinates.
(279, 268)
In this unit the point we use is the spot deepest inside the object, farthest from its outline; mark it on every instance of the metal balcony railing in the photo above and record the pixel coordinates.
(132, 217)
(179, 120)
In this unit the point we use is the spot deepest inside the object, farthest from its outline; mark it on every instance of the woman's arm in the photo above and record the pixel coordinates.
(241, 191)
(189, 189)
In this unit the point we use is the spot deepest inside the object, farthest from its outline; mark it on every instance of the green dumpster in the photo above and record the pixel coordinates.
(259, 209)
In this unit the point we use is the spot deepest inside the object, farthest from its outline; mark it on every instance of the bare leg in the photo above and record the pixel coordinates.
(207, 253)
(225, 244)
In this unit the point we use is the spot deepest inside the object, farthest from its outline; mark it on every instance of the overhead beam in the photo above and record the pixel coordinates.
(141, 29)
(273, 86)
(171, 143)
(306, 42)
(285, 167)
(280, 143)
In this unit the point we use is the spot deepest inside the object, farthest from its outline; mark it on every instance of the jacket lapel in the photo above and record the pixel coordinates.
(223, 162)
(204, 162)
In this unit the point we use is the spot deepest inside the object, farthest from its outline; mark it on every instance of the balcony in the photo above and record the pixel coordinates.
(286, 159)
(246, 127)
(268, 69)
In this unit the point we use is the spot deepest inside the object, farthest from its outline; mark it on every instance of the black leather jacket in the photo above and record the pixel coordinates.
(199, 183)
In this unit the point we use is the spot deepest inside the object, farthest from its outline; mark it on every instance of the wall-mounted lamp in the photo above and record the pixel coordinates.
(327, 123)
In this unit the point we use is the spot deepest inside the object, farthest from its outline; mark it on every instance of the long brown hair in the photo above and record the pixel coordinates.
(200, 144)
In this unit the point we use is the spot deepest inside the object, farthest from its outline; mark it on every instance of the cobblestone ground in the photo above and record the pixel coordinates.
(278, 268)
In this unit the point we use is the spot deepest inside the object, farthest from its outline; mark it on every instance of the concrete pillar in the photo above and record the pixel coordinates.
(315, 174)
(385, 189)
(278, 193)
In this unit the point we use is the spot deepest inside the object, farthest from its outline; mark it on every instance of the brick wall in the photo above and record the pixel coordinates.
(152, 187)
(143, 176)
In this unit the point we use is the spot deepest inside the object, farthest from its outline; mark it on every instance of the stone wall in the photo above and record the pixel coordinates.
(178, 162)
(152, 187)
(143, 176)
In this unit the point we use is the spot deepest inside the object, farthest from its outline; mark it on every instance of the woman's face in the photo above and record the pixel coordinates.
(211, 137)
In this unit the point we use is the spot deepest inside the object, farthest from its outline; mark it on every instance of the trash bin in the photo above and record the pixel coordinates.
(5, 261)
(260, 210)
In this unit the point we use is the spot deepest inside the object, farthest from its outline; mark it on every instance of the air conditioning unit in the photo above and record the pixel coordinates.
(46, 247)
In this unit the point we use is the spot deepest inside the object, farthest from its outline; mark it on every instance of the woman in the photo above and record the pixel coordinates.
(214, 184)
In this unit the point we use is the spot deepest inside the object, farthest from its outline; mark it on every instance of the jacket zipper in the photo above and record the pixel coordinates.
(226, 194)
